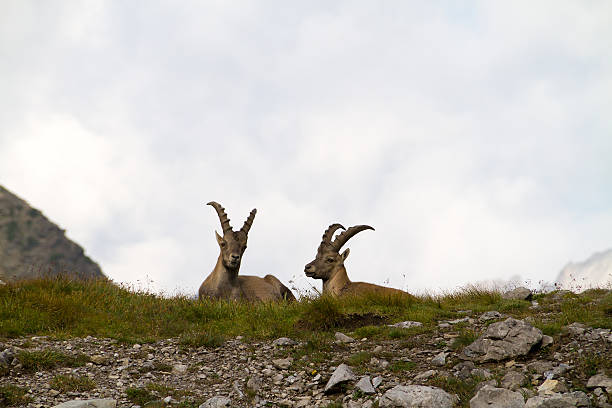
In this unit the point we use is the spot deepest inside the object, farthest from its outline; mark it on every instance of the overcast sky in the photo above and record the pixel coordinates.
(475, 138)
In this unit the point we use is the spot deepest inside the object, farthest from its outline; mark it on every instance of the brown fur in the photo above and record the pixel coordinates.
(224, 281)
(329, 266)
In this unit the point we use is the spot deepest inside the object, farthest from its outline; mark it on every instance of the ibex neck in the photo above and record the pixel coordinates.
(338, 281)
(221, 274)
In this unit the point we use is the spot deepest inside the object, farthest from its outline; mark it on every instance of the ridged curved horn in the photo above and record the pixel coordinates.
(348, 234)
(249, 221)
(329, 233)
(225, 222)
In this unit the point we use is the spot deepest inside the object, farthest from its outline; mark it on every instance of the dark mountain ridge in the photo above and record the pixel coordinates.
(31, 246)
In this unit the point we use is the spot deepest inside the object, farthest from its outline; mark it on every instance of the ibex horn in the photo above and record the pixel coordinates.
(329, 233)
(225, 222)
(249, 221)
(348, 234)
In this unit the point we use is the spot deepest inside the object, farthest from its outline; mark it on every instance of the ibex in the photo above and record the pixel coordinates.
(329, 266)
(224, 281)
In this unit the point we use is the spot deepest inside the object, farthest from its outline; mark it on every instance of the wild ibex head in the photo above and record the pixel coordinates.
(329, 257)
(232, 243)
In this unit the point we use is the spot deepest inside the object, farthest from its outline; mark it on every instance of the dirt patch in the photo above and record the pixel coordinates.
(349, 321)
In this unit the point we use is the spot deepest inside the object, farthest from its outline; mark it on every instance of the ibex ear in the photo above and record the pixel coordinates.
(219, 238)
(344, 255)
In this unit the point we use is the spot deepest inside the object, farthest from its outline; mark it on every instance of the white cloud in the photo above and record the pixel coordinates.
(475, 140)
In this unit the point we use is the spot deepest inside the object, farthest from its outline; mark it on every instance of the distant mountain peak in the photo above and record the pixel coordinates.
(31, 246)
(595, 272)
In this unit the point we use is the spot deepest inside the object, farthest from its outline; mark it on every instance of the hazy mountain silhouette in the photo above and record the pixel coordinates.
(32, 246)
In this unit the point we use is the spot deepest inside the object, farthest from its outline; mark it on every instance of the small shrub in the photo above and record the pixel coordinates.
(48, 359)
(68, 383)
(11, 395)
(550, 329)
(465, 338)
(359, 359)
(399, 366)
(139, 396)
(464, 389)
(589, 364)
(208, 339)
(369, 331)
(322, 313)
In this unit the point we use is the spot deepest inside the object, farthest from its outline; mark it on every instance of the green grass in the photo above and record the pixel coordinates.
(466, 337)
(139, 396)
(464, 389)
(360, 359)
(69, 383)
(68, 308)
(399, 366)
(49, 359)
(12, 396)
(156, 392)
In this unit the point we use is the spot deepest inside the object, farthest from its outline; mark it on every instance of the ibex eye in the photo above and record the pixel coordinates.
(223, 244)
(329, 260)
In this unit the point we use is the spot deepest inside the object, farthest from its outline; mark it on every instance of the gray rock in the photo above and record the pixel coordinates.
(439, 360)
(551, 387)
(303, 402)
(494, 397)
(481, 372)
(341, 374)
(377, 381)
(518, 294)
(365, 385)
(513, 380)
(420, 396)
(464, 369)
(93, 403)
(7, 356)
(254, 383)
(491, 315)
(284, 341)
(547, 341)
(282, 363)
(343, 338)
(569, 400)
(457, 321)
(179, 369)
(406, 325)
(217, 401)
(236, 389)
(557, 371)
(576, 329)
(503, 340)
(540, 366)
(600, 380)
(425, 375)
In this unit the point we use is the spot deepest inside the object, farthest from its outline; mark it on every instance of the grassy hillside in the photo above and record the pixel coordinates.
(66, 308)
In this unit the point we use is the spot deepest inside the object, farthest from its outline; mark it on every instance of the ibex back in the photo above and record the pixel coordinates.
(329, 266)
(224, 281)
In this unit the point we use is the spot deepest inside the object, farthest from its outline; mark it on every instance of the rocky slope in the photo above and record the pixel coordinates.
(595, 272)
(509, 364)
(32, 246)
